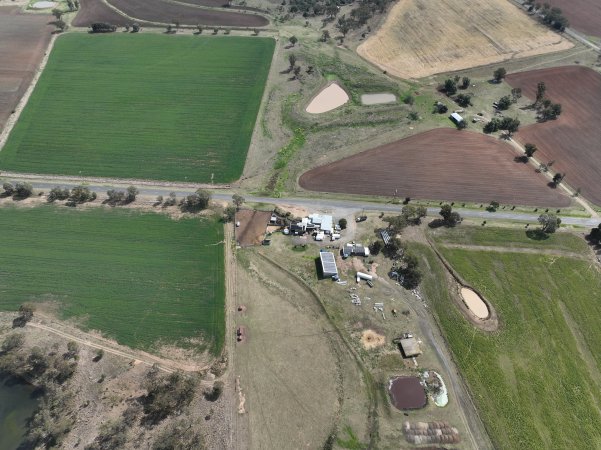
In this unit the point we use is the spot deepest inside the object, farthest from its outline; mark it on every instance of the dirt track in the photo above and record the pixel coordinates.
(23, 41)
(583, 15)
(574, 139)
(168, 12)
(441, 164)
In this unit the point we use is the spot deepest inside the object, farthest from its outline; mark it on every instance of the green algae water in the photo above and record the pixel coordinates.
(17, 404)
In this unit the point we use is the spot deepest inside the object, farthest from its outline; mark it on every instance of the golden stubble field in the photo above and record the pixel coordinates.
(424, 37)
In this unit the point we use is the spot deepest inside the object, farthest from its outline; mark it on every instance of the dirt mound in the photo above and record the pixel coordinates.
(370, 339)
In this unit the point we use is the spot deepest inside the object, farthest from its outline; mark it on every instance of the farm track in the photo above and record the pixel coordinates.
(440, 164)
(573, 139)
(85, 339)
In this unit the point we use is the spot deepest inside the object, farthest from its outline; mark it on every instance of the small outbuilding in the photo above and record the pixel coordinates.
(409, 347)
(456, 118)
(352, 249)
(328, 264)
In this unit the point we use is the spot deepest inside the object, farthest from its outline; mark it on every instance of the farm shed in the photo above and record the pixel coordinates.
(410, 347)
(328, 264)
(352, 249)
(456, 118)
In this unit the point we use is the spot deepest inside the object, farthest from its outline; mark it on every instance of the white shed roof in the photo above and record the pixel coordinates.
(328, 264)
(456, 117)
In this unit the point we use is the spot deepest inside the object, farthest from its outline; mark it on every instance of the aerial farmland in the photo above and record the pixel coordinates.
(173, 175)
(190, 105)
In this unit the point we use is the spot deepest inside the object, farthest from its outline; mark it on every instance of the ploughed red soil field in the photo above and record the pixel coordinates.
(91, 11)
(167, 12)
(440, 164)
(574, 139)
(23, 41)
(583, 15)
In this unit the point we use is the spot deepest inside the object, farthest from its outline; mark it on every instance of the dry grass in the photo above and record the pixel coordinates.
(423, 37)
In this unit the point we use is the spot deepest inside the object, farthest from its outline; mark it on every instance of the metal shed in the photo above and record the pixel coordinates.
(328, 264)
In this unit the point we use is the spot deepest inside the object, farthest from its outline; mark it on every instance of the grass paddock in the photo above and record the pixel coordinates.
(174, 108)
(140, 278)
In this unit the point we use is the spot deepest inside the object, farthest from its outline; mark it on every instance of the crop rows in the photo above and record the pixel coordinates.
(142, 279)
(177, 108)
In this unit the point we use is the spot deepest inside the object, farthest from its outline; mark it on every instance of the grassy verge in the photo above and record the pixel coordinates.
(140, 278)
(531, 384)
(148, 106)
(508, 237)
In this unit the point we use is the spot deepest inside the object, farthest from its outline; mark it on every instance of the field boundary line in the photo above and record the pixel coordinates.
(111, 181)
(14, 117)
(147, 360)
(527, 250)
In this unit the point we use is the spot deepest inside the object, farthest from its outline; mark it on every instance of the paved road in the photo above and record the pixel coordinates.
(338, 207)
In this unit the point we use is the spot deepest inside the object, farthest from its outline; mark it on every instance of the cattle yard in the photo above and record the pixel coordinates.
(440, 164)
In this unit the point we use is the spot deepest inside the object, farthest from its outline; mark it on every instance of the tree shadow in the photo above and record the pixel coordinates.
(537, 235)
(437, 223)
(521, 159)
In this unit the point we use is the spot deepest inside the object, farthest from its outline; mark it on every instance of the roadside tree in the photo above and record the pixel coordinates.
(549, 223)
(450, 218)
(238, 200)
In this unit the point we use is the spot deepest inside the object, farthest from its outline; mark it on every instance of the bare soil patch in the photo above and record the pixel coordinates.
(329, 98)
(167, 12)
(423, 37)
(442, 164)
(574, 139)
(91, 11)
(252, 226)
(23, 41)
(584, 15)
(370, 339)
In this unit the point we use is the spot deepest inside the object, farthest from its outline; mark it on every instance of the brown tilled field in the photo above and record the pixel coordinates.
(252, 226)
(423, 37)
(168, 12)
(92, 11)
(584, 15)
(574, 139)
(441, 164)
(23, 41)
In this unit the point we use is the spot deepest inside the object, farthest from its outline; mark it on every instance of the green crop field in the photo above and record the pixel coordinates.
(508, 237)
(537, 380)
(145, 106)
(140, 278)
